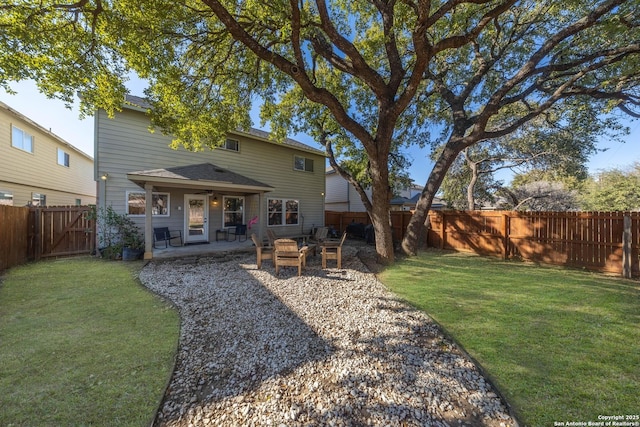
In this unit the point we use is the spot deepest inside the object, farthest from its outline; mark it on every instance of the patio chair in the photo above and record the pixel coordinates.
(262, 251)
(320, 235)
(163, 234)
(333, 250)
(237, 233)
(287, 254)
(271, 236)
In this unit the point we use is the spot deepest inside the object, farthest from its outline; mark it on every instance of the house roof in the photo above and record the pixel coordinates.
(203, 175)
(137, 103)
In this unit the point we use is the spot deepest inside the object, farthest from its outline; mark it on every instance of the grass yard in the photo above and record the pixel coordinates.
(83, 343)
(561, 345)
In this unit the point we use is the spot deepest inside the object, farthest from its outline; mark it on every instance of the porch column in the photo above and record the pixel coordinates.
(148, 225)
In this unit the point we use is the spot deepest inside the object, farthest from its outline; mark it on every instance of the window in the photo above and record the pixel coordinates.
(233, 211)
(302, 164)
(78, 202)
(231, 144)
(63, 158)
(6, 198)
(21, 139)
(136, 203)
(283, 211)
(38, 199)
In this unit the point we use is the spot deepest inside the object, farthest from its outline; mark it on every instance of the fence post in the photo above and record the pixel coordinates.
(442, 234)
(626, 247)
(505, 233)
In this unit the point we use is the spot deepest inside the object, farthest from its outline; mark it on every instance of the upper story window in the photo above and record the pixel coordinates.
(63, 158)
(21, 139)
(231, 145)
(302, 164)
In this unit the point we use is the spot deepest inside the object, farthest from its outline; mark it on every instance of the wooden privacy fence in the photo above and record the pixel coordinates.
(29, 234)
(340, 221)
(599, 241)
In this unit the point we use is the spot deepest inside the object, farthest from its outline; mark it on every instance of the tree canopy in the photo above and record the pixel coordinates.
(614, 189)
(363, 77)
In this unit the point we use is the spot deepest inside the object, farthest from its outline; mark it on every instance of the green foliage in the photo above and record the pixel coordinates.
(543, 335)
(82, 344)
(613, 190)
(367, 78)
(116, 231)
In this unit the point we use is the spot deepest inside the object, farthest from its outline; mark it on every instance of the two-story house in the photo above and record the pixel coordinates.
(39, 168)
(249, 180)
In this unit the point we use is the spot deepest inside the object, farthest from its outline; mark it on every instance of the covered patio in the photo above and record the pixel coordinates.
(204, 249)
(196, 210)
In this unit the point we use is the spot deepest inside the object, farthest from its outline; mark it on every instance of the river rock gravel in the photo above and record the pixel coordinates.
(330, 348)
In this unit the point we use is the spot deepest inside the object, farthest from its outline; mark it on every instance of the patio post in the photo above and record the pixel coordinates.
(148, 225)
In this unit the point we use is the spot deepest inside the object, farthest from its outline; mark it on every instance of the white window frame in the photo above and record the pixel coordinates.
(225, 146)
(305, 163)
(19, 142)
(284, 212)
(64, 159)
(38, 199)
(156, 197)
(225, 211)
(6, 198)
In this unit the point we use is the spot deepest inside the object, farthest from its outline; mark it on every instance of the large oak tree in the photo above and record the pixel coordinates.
(363, 77)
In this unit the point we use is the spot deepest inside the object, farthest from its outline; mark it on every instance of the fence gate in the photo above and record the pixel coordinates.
(62, 231)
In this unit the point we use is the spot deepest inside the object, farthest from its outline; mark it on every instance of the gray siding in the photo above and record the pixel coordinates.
(342, 196)
(125, 145)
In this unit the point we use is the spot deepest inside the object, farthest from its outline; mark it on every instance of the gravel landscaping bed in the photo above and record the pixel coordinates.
(333, 347)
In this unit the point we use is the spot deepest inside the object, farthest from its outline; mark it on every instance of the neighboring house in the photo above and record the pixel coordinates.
(38, 168)
(249, 180)
(343, 197)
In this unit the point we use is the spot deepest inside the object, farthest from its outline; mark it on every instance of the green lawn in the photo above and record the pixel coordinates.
(82, 343)
(561, 345)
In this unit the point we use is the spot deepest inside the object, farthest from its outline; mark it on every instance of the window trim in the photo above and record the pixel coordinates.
(167, 208)
(66, 159)
(42, 199)
(224, 146)
(21, 146)
(283, 217)
(6, 197)
(224, 211)
(306, 161)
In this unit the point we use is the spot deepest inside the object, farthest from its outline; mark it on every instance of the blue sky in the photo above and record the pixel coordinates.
(52, 114)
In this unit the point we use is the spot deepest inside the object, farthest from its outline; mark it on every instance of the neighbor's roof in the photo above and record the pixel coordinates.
(140, 104)
(203, 175)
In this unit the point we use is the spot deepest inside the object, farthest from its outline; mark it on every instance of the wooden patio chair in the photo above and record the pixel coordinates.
(271, 236)
(262, 252)
(320, 235)
(333, 250)
(288, 254)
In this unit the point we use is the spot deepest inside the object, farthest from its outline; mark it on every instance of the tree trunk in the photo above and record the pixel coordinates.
(471, 201)
(410, 241)
(379, 214)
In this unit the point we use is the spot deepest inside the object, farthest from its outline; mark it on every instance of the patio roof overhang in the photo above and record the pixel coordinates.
(203, 176)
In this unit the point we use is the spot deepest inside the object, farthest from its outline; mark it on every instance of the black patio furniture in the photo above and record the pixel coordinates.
(163, 234)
